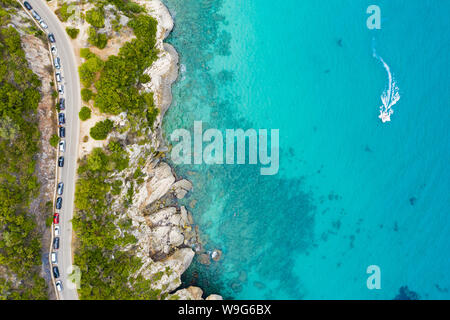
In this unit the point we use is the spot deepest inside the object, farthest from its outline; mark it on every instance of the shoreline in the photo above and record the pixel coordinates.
(165, 232)
(164, 72)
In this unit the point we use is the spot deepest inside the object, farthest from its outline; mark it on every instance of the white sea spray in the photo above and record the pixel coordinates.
(390, 95)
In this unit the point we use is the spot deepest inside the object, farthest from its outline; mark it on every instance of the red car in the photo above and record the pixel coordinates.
(56, 218)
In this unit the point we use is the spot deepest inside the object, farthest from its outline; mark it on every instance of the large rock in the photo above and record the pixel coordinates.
(165, 275)
(160, 183)
(175, 238)
(181, 188)
(190, 293)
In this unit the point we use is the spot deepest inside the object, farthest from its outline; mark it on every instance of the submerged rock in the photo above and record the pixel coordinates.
(216, 254)
(204, 259)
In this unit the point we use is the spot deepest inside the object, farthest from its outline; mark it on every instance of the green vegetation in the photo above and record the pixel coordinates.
(64, 12)
(95, 17)
(129, 8)
(19, 240)
(106, 268)
(89, 69)
(86, 94)
(84, 114)
(72, 32)
(117, 89)
(54, 140)
(97, 39)
(101, 129)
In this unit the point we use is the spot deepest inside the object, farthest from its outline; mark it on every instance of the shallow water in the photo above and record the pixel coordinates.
(352, 191)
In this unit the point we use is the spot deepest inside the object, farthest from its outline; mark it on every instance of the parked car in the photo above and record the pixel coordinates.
(60, 188)
(54, 50)
(54, 258)
(56, 218)
(62, 132)
(61, 118)
(58, 203)
(27, 5)
(59, 286)
(35, 15)
(57, 63)
(56, 243)
(43, 24)
(61, 162)
(58, 76)
(57, 231)
(51, 37)
(62, 146)
(62, 103)
(60, 88)
(55, 272)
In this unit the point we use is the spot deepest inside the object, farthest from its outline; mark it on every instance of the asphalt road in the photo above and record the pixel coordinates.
(67, 174)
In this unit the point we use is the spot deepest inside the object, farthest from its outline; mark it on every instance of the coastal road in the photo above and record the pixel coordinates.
(67, 174)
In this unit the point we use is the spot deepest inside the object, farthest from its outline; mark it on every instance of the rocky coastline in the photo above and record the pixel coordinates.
(167, 228)
(165, 232)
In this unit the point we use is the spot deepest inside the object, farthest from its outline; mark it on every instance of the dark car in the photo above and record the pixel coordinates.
(61, 118)
(58, 203)
(56, 272)
(27, 5)
(56, 218)
(51, 37)
(62, 132)
(56, 243)
(60, 188)
(61, 161)
(62, 104)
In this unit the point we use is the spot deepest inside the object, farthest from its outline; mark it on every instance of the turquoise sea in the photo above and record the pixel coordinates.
(351, 191)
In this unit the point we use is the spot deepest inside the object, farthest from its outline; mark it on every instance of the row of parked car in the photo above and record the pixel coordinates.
(62, 143)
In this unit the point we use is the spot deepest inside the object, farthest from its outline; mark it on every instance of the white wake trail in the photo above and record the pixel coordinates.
(390, 96)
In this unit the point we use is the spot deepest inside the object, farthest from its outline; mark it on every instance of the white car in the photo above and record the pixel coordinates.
(61, 88)
(54, 258)
(58, 76)
(57, 63)
(43, 24)
(54, 50)
(62, 146)
(57, 233)
(59, 286)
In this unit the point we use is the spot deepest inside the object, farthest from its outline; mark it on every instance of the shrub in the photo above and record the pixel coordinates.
(101, 129)
(84, 114)
(144, 78)
(86, 94)
(97, 39)
(64, 13)
(95, 18)
(89, 68)
(72, 32)
(86, 53)
(54, 139)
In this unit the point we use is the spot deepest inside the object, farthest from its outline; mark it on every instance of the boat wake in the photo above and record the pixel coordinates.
(391, 95)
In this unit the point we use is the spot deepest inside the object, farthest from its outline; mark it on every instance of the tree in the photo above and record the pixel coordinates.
(86, 94)
(89, 69)
(95, 17)
(72, 32)
(84, 114)
(97, 39)
(101, 129)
